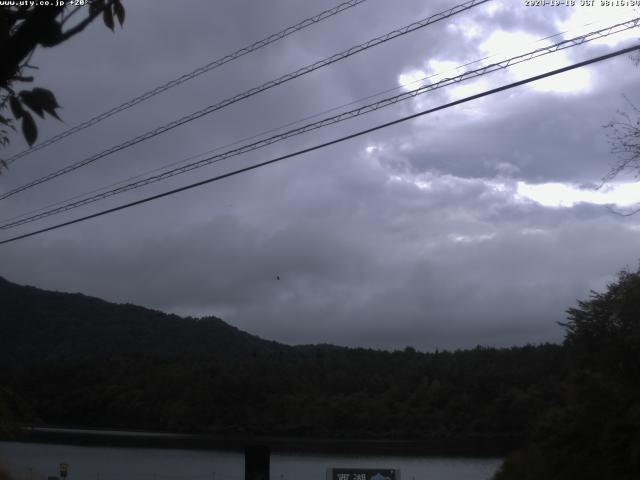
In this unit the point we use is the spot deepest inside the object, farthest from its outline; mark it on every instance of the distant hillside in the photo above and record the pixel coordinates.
(73, 360)
(84, 362)
(40, 324)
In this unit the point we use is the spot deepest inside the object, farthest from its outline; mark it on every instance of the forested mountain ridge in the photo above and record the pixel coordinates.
(40, 324)
(80, 361)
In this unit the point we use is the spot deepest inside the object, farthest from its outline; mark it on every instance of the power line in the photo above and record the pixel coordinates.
(329, 143)
(271, 130)
(189, 76)
(273, 83)
(335, 119)
(445, 82)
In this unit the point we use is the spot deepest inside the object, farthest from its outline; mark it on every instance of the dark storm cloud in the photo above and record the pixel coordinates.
(397, 274)
(413, 235)
(559, 139)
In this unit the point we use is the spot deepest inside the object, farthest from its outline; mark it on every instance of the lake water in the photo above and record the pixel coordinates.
(37, 461)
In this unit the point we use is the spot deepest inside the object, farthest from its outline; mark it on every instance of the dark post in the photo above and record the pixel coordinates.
(256, 462)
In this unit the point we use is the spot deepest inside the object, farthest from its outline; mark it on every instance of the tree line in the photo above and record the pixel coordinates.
(563, 411)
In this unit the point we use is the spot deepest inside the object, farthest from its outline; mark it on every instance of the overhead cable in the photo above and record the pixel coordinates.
(329, 143)
(253, 91)
(445, 82)
(188, 76)
(272, 130)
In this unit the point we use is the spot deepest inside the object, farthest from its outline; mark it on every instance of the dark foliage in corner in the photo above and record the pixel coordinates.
(594, 432)
(23, 28)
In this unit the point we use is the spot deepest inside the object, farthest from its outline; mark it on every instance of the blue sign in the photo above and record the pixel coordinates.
(363, 474)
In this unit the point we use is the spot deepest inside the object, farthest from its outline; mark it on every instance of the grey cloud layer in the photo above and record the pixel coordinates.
(365, 256)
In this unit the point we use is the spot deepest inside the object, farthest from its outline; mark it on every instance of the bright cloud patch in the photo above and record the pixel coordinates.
(468, 28)
(442, 69)
(439, 69)
(574, 81)
(587, 19)
(555, 195)
(502, 45)
(411, 80)
(471, 238)
(416, 181)
(566, 195)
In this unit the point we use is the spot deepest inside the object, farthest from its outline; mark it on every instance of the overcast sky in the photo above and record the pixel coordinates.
(475, 225)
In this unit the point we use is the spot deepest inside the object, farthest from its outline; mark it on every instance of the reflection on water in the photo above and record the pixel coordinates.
(35, 461)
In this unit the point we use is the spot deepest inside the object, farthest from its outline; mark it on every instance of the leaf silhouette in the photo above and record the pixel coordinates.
(107, 16)
(119, 11)
(16, 107)
(29, 129)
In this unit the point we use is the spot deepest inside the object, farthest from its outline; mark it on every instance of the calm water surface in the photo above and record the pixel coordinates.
(36, 461)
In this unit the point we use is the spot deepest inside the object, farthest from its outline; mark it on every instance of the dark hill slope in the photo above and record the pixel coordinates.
(40, 324)
(79, 361)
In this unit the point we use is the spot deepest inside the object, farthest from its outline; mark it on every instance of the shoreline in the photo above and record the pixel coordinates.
(450, 446)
